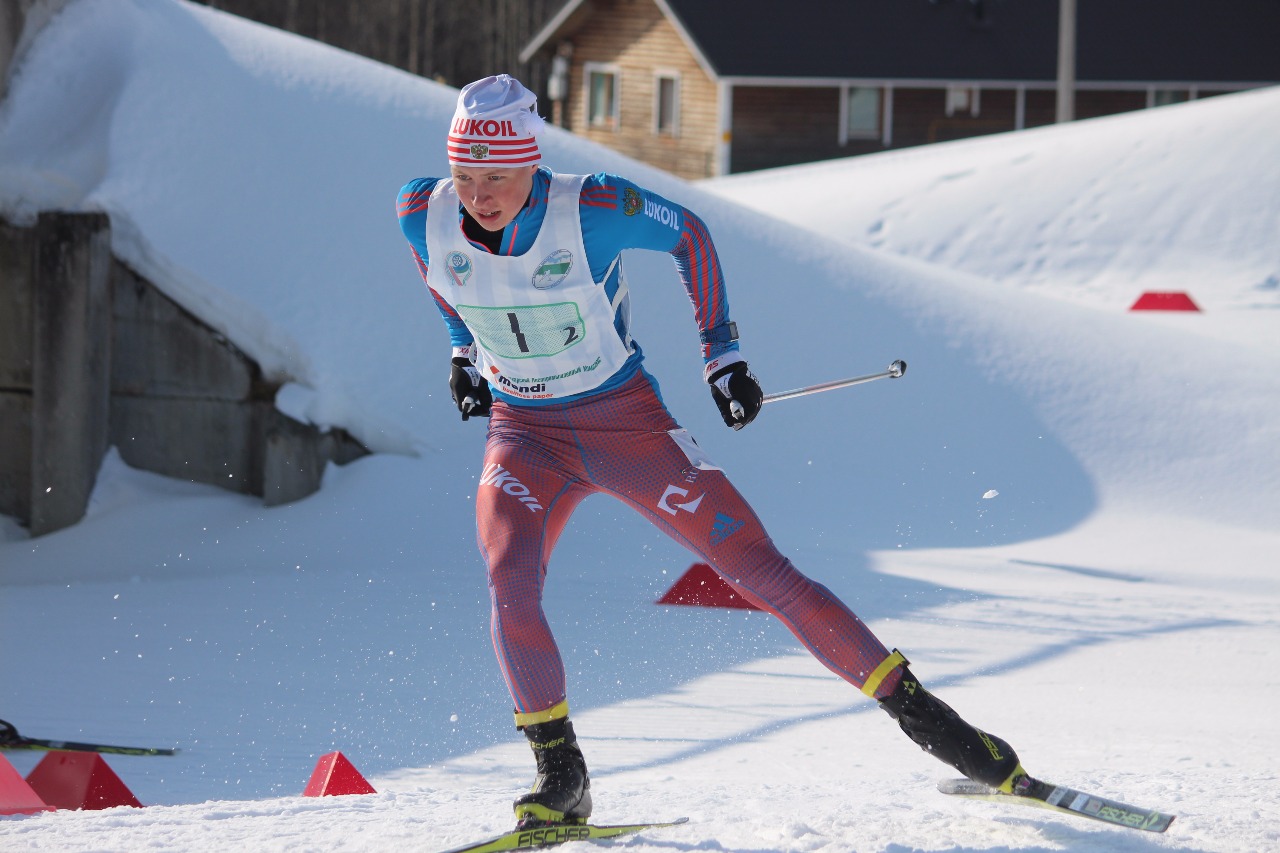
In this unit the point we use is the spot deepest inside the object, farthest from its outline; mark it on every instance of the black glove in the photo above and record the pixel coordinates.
(470, 390)
(737, 394)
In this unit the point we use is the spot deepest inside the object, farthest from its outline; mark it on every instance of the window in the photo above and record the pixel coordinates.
(602, 95)
(1164, 97)
(862, 112)
(666, 103)
(963, 99)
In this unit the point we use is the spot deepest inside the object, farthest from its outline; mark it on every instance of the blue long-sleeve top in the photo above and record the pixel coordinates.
(616, 214)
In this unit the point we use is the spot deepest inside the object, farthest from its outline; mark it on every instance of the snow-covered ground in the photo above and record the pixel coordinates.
(1066, 514)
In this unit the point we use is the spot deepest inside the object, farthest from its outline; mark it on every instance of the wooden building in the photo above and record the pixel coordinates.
(710, 87)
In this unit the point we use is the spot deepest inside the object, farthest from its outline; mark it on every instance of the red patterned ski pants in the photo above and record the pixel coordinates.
(539, 464)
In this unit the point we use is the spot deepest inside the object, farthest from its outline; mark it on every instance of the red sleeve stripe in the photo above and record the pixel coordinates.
(417, 259)
(702, 268)
(444, 306)
(414, 202)
(600, 196)
(422, 268)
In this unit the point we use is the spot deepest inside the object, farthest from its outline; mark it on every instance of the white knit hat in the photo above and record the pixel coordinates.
(495, 124)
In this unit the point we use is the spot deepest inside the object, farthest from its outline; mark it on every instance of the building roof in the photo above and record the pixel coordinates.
(1144, 41)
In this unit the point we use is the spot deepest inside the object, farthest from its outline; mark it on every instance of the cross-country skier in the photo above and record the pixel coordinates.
(524, 265)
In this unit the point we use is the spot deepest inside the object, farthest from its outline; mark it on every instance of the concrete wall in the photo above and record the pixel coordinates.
(54, 361)
(172, 378)
(93, 355)
(17, 258)
(70, 364)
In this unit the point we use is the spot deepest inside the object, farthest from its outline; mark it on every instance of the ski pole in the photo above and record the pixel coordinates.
(896, 369)
(10, 739)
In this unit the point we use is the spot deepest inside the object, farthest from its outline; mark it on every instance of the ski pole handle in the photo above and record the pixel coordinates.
(896, 369)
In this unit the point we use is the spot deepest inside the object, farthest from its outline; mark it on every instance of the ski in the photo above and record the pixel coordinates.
(1033, 792)
(546, 835)
(10, 739)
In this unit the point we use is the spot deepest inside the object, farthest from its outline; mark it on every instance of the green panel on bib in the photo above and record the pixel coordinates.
(526, 331)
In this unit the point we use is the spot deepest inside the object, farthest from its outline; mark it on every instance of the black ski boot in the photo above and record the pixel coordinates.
(562, 791)
(941, 732)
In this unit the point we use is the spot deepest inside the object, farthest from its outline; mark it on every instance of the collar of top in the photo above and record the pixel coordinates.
(495, 124)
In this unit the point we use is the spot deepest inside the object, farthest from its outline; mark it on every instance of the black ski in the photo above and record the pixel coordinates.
(10, 739)
(547, 835)
(1032, 792)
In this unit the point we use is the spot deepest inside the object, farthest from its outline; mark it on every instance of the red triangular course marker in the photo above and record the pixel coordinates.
(702, 587)
(16, 796)
(1164, 301)
(335, 775)
(79, 780)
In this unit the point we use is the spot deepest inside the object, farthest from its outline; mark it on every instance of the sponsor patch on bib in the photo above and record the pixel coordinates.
(459, 266)
(553, 269)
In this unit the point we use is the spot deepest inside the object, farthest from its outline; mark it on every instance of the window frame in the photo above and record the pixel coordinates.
(1158, 96)
(847, 131)
(966, 99)
(660, 76)
(613, 121)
